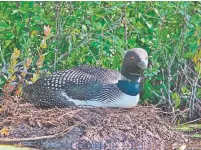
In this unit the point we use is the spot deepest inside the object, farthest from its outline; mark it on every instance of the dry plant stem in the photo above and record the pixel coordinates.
(191, 77)
(184, 31)
(39, 138)
(193, 121)
(125, 26)
(193, 96)
(175, 116)
(58, 29)
(83, 42)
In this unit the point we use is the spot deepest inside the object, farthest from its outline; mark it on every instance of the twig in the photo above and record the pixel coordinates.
(191, 121)
(180, 113)
(58, 29)
(80, 45)
(125, 26)
(4, 140)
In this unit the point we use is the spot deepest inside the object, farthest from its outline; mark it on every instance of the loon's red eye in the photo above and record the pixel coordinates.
(132, 57)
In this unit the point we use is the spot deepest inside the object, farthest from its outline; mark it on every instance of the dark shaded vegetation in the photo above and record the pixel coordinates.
(98, 33)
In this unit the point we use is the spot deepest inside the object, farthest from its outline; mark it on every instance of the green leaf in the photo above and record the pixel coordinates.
(177, 99)
(198, 136)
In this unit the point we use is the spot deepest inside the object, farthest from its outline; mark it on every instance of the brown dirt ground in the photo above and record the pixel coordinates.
(87, 128)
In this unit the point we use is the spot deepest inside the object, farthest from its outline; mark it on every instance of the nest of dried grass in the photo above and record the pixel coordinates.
(87, 128)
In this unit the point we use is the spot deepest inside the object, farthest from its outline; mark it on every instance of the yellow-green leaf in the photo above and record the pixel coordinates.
(40, 61)
(4, 131)
(177, 99)
(35, 77)
(34, 32)
(43, 44)
(16, 52)
(28, 62)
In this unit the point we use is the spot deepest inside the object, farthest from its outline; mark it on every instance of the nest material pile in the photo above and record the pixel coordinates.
(87, 128)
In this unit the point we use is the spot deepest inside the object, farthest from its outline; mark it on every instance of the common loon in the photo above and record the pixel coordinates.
(89, 86)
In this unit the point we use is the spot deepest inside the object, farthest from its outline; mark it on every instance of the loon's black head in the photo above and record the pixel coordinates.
(134, 63)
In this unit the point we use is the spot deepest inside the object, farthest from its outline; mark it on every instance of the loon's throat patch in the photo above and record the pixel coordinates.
(130, 88)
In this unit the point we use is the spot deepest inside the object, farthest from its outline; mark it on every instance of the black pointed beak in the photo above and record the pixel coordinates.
(142, 64)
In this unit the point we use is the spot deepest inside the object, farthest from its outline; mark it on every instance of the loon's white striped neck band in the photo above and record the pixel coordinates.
(137, 74)
(139, 79)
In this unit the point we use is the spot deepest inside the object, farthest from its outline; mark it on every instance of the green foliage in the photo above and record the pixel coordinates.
(193, 129)
(98, 33)
(187, 127)
(198, 136)
(176, 99)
